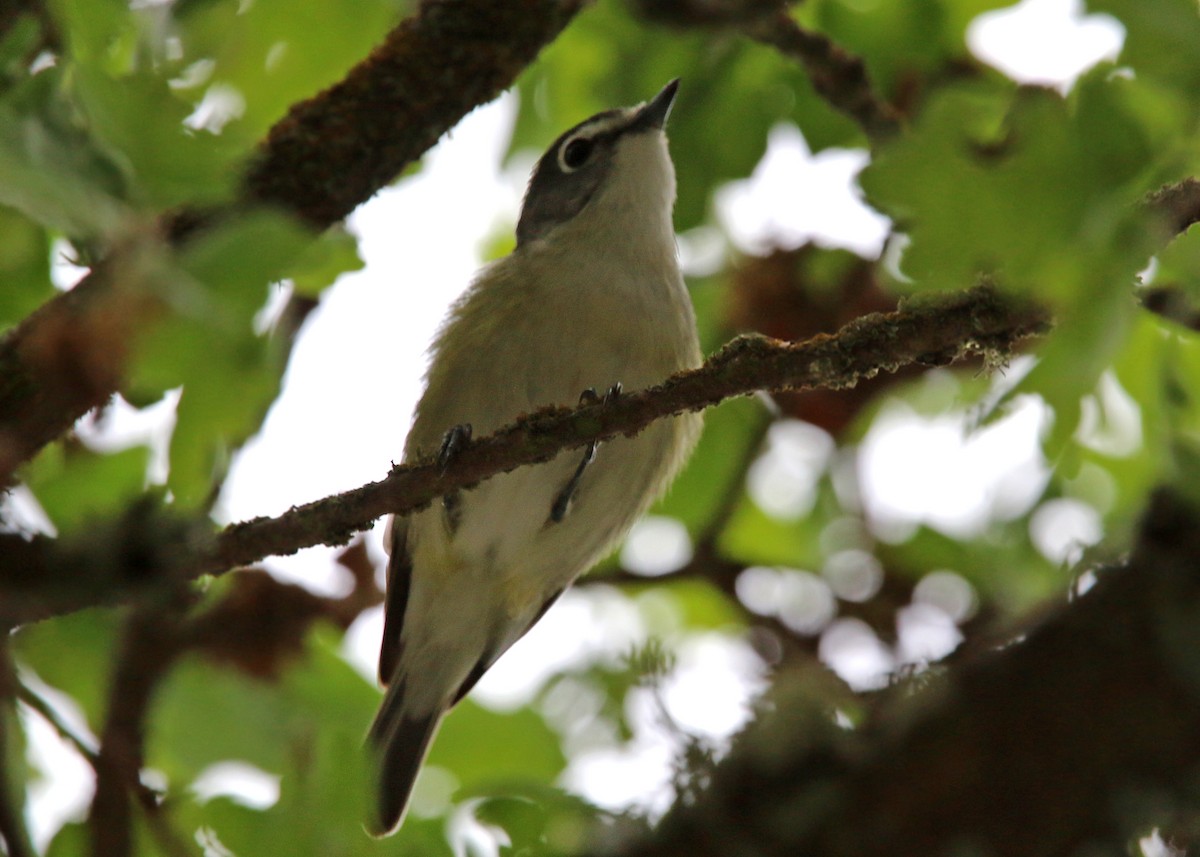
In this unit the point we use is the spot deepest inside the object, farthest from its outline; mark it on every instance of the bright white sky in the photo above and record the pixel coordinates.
(355, 376)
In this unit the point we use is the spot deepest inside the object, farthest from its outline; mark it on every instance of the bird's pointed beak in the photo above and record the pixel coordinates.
(654, 113)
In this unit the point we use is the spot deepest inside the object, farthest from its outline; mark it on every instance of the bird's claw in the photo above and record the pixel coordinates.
(562, 502)
(453, 442)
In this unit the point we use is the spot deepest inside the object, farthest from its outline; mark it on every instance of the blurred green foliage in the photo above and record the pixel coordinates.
(126, 111)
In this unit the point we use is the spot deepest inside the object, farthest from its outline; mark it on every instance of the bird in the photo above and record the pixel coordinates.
(590, 299)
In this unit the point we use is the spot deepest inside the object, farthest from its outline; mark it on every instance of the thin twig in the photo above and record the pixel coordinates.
(37, 703)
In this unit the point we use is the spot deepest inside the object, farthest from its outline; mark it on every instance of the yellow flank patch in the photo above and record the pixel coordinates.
(520, 596)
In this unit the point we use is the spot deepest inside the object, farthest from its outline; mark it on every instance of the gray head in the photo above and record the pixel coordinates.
(577, 167)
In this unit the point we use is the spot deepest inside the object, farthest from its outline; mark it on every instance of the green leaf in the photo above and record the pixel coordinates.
(208, 714)
(1159, 369)
(16, 773)
(229, 383)
(73, 654)
(1179, 265)
(21, 39)
(732, 431)
(1021, 186)
(238, 258)
(307, 726)
(76, 485)
(97, 31)
(53, 173)
(71, 841)
(486, 749)
(274, 53)
(334, 253)
(24, 266)
(1040, 194)
(544, 821)
(139, 120)
(899, 41)
(229, 374)
(1159, 40)
(1072, 360)
(752, 537)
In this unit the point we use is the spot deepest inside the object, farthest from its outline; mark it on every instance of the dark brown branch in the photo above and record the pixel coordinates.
(837, 75)
(260, 624)
(328, 155)
(150, 646)
(1076, 739)
(1178, 204)
(948, 326)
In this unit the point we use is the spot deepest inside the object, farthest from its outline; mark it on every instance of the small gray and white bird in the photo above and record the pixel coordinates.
(591, 298)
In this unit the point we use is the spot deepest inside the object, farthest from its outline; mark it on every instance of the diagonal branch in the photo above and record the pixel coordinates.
(51, 578)
(333, 152)
(327, 156)
(942, 329)
(837, 75)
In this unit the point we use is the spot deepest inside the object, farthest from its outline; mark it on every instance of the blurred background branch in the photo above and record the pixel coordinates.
(1024, 750)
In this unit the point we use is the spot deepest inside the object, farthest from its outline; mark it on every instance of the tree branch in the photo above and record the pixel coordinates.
(1079, 737)
(1178, 204)
(837, 75)
(53, 578)
(150, 646)
(328, 155)
(332, 153)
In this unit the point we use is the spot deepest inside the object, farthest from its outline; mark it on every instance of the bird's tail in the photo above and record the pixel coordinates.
(400, 739)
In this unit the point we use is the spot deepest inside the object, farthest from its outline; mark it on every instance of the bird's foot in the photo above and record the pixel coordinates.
(562, 502)
(453, 443)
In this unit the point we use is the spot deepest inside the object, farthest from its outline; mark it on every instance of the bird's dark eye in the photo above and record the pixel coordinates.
(575, 153)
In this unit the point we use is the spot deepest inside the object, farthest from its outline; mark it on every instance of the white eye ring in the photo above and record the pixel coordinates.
(574, 153)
